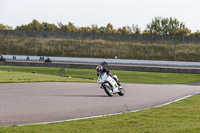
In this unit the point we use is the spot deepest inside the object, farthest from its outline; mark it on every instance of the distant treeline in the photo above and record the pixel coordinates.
(158, 26)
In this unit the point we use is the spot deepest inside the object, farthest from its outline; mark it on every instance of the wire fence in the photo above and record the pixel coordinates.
(104, 36)
(91, 45)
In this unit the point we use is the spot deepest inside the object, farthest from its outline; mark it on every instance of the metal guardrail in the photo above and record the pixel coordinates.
(109, 61)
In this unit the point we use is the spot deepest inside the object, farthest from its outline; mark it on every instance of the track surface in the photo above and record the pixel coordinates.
(26, 103)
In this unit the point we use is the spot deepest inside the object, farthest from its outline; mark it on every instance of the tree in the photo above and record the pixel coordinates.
(136, 29)
(71, 27)
(33, 26)
(95, 28)
(167, 26)
(5, 27)
(84, 29)
(109, 28)
(49, 27)
(103, 29)
(123, 30)
(146, 32)
(37, 26)
(196, 34)
(61, 26)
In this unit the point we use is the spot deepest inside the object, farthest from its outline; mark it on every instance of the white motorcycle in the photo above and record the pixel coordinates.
(110, 85)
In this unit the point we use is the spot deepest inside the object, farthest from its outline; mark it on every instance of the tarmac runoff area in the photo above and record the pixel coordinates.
(40, 103)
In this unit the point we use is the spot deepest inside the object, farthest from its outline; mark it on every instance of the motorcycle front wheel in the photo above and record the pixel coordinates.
(121, 92)
(108, 90)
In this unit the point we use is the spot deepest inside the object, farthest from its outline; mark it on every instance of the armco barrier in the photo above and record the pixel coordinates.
(112, 67)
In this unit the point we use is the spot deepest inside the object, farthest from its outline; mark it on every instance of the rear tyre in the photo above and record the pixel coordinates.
(108, 90)
(121, 92)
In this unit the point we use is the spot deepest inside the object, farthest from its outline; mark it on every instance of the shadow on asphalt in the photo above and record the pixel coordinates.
(83, 95)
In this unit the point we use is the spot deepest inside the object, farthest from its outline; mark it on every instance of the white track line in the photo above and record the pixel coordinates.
(196, 93)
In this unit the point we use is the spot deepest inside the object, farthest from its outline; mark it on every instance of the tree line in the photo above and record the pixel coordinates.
(158, 26)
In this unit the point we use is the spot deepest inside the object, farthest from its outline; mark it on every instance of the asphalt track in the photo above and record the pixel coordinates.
(27, 103)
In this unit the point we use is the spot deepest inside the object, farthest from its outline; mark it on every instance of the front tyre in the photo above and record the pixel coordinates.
(121, 92)
(108, 90)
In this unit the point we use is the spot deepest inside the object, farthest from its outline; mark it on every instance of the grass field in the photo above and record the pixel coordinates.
(99, 48)
(179, 117)
(22, 77)
(24, 74)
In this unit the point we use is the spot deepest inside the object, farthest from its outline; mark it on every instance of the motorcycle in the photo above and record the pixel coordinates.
(109, 85)
(48, 60)
(2, 58)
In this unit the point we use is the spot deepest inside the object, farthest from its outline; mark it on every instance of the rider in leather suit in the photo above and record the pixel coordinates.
(103, 67)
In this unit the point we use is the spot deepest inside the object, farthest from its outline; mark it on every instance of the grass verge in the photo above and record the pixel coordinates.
(10, 74)
(24, 74)
(21, 77)
(179, 117)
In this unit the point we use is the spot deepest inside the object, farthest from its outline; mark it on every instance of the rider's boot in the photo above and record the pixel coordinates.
(101, 87)
(120, 86)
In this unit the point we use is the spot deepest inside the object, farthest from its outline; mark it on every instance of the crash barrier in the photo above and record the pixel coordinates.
(161, 69)
(27, 58)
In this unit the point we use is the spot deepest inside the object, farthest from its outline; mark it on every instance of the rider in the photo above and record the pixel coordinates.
(1, 58)
(100, 69)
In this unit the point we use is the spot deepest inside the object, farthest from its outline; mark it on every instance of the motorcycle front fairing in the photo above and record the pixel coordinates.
(103, 78)
(113, 84)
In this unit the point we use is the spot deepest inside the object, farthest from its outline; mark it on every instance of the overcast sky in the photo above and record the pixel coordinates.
(87, 12)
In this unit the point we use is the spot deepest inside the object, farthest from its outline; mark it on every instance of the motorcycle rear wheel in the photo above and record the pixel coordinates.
(108, 90)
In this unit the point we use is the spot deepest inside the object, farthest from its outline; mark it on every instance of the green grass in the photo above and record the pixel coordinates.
(157, 78)
(99, 48)
(24, 74)
(19, 77)
(179, 117)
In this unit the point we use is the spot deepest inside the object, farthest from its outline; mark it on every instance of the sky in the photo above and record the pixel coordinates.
(101, 12)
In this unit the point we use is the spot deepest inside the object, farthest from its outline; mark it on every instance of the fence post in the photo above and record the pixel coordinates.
(63, 51)
(147, 52)
(91, 50)
(35, 46)
(183, 39)
(8, 45)
(175, 53)
(119, 50)
(69, 35)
